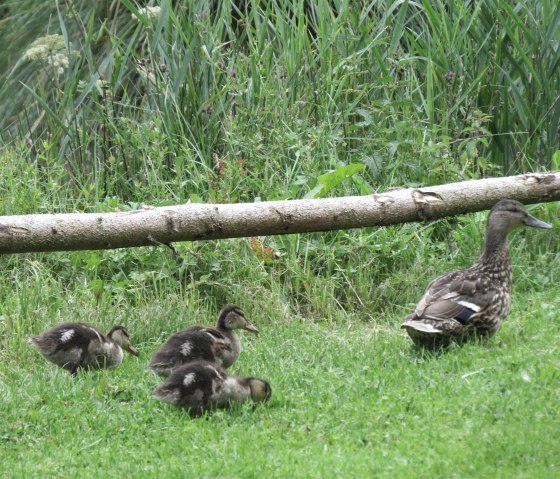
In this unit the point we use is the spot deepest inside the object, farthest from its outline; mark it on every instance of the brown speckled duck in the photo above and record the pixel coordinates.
(77, 345)
(219, 345)
(201, 385)
(474, 301)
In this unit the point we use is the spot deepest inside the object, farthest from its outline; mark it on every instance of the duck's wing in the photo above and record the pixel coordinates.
(67, 345)
(196, 342)
(202, 340)
(73, 335)
(217, 342)
(191, 386)
(457, 295)
(212, 332)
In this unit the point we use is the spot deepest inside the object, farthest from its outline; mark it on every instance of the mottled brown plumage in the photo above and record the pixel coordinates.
(219, 345)
(475, 301)
(201, 385)
(74, 346)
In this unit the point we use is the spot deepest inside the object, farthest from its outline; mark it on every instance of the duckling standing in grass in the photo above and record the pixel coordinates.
(76, 345)
(474, 301)
(219, 345)
(201, 385)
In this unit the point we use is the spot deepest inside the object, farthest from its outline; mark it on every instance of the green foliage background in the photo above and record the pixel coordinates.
(241, 101)
(420, 92)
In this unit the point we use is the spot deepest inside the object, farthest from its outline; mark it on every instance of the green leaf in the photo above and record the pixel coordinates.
(556, 160)
(366, 115)
(330, 180)
(32, 414)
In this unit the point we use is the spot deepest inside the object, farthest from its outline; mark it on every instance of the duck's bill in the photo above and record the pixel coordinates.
(131, 349)
(252, 328)
(535, 223)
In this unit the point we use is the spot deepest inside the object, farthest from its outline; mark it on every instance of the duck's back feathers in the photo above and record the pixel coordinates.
(65, 337)
(457, 295)
(201, 385)
(67, 345)
(194, 343)
(476, 300)
(219, 345)
(78, 345)
(191, 386)
(457, 305)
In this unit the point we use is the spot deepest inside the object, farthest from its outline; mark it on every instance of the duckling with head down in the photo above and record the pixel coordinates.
(201, 385)
(219, 345)
(73, 346)
(474, 301)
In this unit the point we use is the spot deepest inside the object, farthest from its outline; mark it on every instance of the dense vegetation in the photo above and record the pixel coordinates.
(106, 106)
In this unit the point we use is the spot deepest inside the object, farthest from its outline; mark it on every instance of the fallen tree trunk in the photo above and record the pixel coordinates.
(192, 222)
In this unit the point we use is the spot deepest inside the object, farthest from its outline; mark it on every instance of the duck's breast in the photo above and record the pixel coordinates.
(104, 354)
(231, 352)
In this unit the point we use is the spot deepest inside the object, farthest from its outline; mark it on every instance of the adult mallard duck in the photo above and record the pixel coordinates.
(474, 301)
(77, 345)
(219, 345)
(201, 385)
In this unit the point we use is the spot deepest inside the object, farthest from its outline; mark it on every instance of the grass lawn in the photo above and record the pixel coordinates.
(107, 108)
(350, 399)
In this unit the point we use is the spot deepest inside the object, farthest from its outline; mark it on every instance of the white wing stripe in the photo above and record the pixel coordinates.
(189, 379)
(66, 335)
(468, 304)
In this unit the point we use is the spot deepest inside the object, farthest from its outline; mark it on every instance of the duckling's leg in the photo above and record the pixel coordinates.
(77, 364)
(196, 411)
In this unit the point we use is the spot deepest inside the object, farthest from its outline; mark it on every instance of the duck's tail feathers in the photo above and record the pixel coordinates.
(165, 395)
(421, 327)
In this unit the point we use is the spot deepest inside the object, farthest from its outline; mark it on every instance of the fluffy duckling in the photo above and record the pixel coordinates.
(76, 345)
(474, 301)
(201, 385)
(219, 345)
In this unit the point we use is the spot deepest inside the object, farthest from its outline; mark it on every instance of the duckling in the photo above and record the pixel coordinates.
(77, 345)
(201, 385)
(475, 301)
(219, 345)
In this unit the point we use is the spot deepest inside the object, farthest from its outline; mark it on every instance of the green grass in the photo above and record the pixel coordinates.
(351, 398)
(418, 92)
(240, 101)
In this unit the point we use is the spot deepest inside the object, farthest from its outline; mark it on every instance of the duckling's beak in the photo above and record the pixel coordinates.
(131, 349)
(252, 328)
(535, 223)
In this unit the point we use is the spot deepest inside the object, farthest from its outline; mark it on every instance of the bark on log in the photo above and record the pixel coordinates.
(192, 222)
